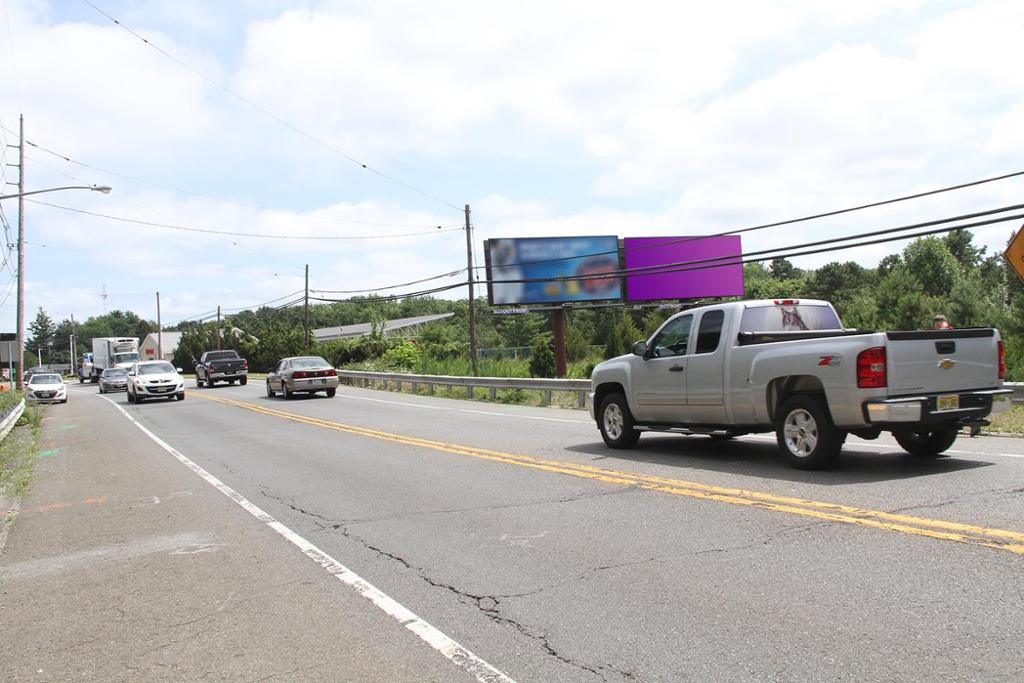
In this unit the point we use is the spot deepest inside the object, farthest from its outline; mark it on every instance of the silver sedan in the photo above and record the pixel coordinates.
(302, 375)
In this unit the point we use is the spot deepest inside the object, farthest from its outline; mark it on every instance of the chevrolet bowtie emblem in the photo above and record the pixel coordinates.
(946, 363)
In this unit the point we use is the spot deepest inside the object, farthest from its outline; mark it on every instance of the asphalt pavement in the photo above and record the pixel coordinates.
(510, 531)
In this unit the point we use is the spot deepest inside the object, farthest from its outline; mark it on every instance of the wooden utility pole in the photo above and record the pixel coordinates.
(21, 250)
(159, 331)
(558, 318)
(472, 298)
(217, 331)
(306, 313)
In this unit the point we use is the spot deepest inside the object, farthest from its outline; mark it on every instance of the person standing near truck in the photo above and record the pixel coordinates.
(940, 323)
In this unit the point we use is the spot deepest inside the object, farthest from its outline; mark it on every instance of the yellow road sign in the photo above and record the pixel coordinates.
(1014, 253)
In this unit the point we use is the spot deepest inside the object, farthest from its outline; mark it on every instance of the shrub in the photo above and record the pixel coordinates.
(542, 357)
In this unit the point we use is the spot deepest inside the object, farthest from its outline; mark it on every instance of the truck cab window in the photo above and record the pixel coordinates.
(710, 332)
(673, 338)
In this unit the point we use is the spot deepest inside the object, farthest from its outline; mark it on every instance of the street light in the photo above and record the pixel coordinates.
(95, 188)
(21, 250)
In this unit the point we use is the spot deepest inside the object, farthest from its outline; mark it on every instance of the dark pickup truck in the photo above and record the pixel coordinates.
(221, 366)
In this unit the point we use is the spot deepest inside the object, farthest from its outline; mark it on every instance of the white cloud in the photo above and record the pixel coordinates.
(565, 118)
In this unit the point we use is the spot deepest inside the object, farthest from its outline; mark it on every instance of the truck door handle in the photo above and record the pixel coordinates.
(676, 368)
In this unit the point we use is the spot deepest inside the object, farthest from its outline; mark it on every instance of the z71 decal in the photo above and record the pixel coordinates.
(831, 361)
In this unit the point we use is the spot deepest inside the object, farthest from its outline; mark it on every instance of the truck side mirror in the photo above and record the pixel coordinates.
(639, 348)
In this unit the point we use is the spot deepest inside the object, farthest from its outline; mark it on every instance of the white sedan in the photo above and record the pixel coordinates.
(46, 387)
(155, 379)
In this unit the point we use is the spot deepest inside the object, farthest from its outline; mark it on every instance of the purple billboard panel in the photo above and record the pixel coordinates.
(694, 281)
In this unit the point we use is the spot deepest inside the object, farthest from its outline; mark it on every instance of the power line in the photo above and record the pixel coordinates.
(211, 231)
(199, 317)
(741, 259)
(228, 200)
(777, 224)
(270, 114)
(393, 297)
(380, 289)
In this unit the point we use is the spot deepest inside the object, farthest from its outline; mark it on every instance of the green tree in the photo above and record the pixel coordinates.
(576, 347)
(932, 264)
(41, 333)
(961, 246)
(622, 335)
(783, 269)
(542, 357)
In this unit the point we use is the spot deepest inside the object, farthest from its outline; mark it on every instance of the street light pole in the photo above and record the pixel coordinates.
(20, 196)
(21, 251)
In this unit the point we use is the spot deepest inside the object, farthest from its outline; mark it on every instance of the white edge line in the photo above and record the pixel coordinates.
(436, 639)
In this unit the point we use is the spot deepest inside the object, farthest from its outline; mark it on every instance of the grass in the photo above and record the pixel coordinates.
(526, 397)
(18, 453)
(1010, 422)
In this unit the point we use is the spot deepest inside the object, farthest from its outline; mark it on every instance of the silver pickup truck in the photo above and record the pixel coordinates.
(790, 367)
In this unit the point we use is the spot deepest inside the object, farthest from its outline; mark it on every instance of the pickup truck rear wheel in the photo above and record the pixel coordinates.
(242, 380)
(616, 422)
(926, 443)
(806, 434)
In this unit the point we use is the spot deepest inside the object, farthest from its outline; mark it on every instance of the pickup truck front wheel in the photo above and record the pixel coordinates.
(926, 443)
(616, 422)
(806, 435)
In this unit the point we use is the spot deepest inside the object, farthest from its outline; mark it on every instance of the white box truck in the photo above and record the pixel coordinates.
(113, 352)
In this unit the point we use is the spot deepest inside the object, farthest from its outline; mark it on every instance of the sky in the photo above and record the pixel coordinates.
(370, 125)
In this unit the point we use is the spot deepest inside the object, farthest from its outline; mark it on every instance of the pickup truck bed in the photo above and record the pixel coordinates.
(221, 366)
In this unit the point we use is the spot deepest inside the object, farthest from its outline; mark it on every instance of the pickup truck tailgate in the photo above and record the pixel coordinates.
(942, 360)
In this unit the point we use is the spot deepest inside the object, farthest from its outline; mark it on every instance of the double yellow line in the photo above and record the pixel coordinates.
(998, 539)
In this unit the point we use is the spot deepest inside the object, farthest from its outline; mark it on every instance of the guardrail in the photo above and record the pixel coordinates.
(372, 379)
(580, 386)
(8, 421)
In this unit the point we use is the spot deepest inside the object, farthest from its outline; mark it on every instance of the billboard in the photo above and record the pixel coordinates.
(524, 270)
(695, 281)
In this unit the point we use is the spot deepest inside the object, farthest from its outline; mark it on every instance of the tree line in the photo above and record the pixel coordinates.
(949, 275)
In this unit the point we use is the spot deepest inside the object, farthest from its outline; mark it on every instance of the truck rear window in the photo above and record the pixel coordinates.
(789, 318)
(221, 355)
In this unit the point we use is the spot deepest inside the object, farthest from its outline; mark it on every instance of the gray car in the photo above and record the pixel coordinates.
(302, 375)
(113, 379)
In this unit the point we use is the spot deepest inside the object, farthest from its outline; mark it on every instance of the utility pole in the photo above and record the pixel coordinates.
(472, 299)
(21, 250)
(217, 331)
(558, 317)
(306, 324)
(159, 331)
(74, 344)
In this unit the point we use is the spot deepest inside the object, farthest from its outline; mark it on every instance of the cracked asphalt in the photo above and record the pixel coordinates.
(550, 577)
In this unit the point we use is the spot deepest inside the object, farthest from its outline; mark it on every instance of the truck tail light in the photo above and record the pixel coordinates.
(245, 365)
(871, 368)
(787, 302)
(1002, 360)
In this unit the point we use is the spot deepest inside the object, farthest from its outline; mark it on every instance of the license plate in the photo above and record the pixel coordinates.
(947, 402)
(319, 381)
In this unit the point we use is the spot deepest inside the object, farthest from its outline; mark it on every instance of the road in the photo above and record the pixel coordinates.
(514, 533)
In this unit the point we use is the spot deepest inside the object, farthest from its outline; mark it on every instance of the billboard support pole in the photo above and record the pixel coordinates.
(472, 299)
(558, 318)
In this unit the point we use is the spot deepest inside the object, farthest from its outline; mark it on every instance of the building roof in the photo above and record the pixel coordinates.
(363, 329)
(170, 340)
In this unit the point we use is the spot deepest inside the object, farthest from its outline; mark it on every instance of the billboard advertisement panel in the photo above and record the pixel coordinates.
(677, 282)
(542, 259)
